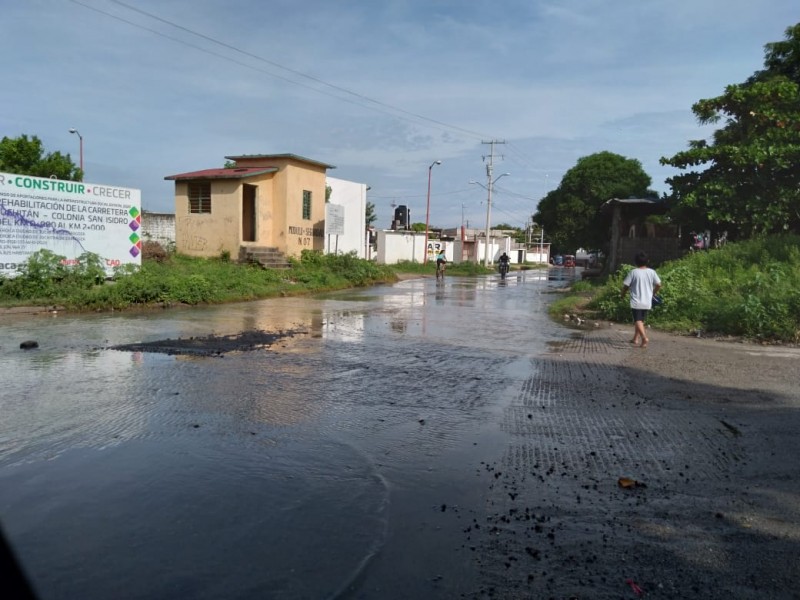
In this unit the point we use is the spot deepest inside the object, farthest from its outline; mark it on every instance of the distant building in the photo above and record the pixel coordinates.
(346, 215)
(470, 244)
(264, 203)
(632, 231)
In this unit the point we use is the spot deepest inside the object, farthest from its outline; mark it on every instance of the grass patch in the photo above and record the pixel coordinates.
(748, 289)
(44, 281)
(577, 301)
(568, 305)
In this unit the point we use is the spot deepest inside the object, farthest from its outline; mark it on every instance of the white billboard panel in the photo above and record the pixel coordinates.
(68, 218)
(334, 219)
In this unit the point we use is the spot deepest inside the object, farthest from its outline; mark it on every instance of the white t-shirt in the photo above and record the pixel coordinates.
(642, 281)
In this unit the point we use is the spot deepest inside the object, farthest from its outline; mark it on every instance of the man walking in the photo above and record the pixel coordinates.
(643, 283)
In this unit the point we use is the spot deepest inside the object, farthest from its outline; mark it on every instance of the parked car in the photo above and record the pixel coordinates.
(569, 261)
(558, 260)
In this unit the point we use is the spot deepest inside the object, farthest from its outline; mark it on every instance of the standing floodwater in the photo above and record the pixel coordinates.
(334, 456)
(423, 440)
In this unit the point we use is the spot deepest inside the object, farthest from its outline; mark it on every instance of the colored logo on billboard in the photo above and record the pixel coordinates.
(136, 218)
(136, 249)
(135, 224)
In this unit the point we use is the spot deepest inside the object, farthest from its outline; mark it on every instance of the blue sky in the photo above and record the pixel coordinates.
(380, 89)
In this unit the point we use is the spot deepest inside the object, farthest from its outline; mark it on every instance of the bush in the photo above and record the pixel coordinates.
(153, 251)
(324, 270)
(47, 275)
(749, 289)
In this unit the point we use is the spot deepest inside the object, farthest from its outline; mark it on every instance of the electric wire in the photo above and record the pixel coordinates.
(358, 99)
(351, 96)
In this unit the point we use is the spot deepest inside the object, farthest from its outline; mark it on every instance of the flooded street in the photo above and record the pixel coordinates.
(418, 440)
(340, 454)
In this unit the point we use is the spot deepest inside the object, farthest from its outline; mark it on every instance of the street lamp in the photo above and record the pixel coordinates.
(80, 137)
(488, 213)
(428, 211)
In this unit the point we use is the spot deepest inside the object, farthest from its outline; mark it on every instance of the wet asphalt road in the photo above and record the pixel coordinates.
(421, 440)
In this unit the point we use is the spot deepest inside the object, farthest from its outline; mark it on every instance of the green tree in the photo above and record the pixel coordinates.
(419, 227)
(746, 178)
(570, 213)
(26, 156)
(370, 216)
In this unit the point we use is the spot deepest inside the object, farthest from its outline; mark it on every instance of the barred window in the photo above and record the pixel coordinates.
(199, 197)
(307, 205)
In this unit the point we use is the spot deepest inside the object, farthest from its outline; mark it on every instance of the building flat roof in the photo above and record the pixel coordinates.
(282, 156)
(235, 173)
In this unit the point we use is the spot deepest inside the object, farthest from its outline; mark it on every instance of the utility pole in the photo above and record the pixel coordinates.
(428, 212)
(541, 244)
(490, 183)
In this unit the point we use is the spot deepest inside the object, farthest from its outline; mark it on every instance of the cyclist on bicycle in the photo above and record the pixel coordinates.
(441, 261)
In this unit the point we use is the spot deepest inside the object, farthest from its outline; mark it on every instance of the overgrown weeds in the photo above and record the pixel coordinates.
(47, 278)
(575, 301)
(749, 289)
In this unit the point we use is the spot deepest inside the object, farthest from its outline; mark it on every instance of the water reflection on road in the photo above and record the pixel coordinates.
(308, 469)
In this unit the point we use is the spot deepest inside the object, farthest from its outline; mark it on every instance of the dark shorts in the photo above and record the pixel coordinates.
(639, 314)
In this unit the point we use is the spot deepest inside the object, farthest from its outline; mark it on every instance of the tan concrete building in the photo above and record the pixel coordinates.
(265, 203)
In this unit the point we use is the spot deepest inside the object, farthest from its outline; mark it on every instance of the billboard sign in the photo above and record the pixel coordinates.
(334, 219)
(69, 218)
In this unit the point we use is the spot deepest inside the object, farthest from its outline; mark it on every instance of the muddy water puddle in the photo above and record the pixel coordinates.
(292, 448)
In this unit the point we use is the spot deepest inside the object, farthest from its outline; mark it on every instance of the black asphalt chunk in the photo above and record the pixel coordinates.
(211, 345)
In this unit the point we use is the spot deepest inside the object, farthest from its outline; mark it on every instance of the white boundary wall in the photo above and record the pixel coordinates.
(352, 197)
(397, 246)
(159, 227)
(496, 247)
(68, 218)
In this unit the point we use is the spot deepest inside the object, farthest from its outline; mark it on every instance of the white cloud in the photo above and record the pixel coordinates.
(556, 80)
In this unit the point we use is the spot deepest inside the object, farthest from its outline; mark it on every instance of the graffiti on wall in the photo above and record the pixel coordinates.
(306, 235)
(434, 247)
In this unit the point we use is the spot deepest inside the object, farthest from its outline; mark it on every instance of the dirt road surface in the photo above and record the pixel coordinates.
(666, 472)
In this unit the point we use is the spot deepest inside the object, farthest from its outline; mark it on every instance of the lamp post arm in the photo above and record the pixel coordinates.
(80, 142)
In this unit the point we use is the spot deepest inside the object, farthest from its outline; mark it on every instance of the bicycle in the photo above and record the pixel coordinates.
(440, 266)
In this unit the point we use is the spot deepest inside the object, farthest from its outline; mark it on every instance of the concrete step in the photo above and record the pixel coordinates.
(270, 258)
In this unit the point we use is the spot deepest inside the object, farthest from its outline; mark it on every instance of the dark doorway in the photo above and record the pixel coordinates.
(248, 213)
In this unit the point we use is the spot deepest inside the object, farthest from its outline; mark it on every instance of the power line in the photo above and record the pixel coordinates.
(359, 100)
(515, 194)
(412, 196)
(312, 83)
